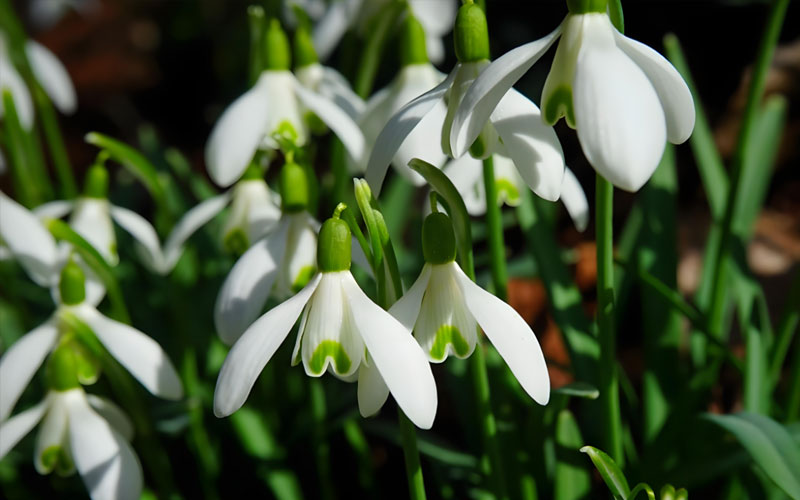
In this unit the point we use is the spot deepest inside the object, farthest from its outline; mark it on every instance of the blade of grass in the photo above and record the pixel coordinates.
(572, 479)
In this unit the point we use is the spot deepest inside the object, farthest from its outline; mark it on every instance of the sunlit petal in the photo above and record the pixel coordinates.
(574, 200)
(18, 426)
(52, 76)
(29, 241)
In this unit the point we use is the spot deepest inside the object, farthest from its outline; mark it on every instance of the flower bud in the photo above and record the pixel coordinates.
(333, 247)
(586, 6)
(412, 42)
(304, 52)
(96, 183)
(277, 53)
(73, 284)
(471, 35)
(295, 192)
(61, 373)
(438, 239)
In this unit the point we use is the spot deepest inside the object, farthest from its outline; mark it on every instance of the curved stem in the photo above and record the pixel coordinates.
(497, 249)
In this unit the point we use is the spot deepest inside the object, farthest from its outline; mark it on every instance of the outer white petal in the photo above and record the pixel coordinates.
(10, 79)
(91, 218)
(372, 390)
(437, 16)
(143, 232)
(466, 174)
(247, 286)
(18, 426)
(191, 221)
(138, 353)
(574, 200)
(29, 241)
(396, 354)
(254, 348)
(333, 25)
(334, 117)
(300, 254)
(54, 429)
(676, 99)
(489, 88)
(336, 87)
(398, 129)
(511, 336)
(53, 209)
(620, 123)
(423, 143)
(407, 308)
(21, 361)
(52, 76)
(434, 46)
(113, 414)
(109, 467)
(237, 134)
(532, 145)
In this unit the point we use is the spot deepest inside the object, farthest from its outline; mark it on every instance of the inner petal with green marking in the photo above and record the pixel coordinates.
(333, 351)
(448, 335)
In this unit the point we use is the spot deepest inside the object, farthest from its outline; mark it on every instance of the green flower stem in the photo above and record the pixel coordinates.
(786, 329)
(408, 436)
(52, 134)
(13, 138)
(766, 49)
(497, 248)
(255, 18)
(793, 404)
(373, 48)
(609, 383)
(322, 447)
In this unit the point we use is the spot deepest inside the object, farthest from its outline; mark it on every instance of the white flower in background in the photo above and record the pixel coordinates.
(436, 17)
(466, 173)
(46, 13)
(341, 331)
(138, 353)
(24, 238)
(624, 99)
(514, 129)
(49, 73)
(273, 107)
(83, 432)
(444, 308)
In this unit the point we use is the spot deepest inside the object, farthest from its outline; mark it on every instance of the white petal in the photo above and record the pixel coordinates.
(237, 134)
(434, 46)
(676, 99)
(511, 336)
(336, 87)
(466, 174)
(109, 467)
(396, 355)
(144, 234)
(423, 143)
(406, 309)
(21, 361)
(29, 241)
(333, 25)
(91, 218)
(437, 16)
(18, 426)
(52, 76)
(490, 87)
(372, 390)
(254, 349)
(10, 79)
(334, 117)
(247, 286)
(574, 200)
(191, 221)
(620, 123)
(138, 353)
(53, 209)
(532, 145)
(53, 431)
(300, 255)
(113, 414)
(398, 128)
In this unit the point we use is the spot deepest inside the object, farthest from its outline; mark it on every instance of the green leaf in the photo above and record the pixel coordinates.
(24, 187)
(579, 390)
(770, 445)
(642, 487)
(609, 471)
(572, 481)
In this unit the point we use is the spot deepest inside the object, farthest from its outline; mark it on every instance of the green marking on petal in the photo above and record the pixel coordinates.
(448, 334)
(236, 242)
(303, 277)
(508, 192)
(559, 104)
(329, 349)
(56, 458)
(285, 132)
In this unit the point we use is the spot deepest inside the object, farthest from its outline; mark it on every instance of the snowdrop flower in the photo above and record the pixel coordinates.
(138, 353)
(49, 73)
(78, 431)
(341, 331)
(466, 173)
(272, 108)
(416, 77)
(444, 308)
(515, 128)
(24, 238)
(624, 99)
(436, 17)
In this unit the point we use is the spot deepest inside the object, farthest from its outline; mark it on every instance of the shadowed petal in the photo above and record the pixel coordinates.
(372, 390)
(574, 199)
(406, 310)
(18, 426)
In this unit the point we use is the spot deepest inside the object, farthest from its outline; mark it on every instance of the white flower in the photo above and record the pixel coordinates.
(272, 107)
(466, 173)
(28, 241)
(436, 17)
(87, 433)
(624, 99)
(444, 307)
(332, 85)
(422, 142)
(138, 353)
(46, 13)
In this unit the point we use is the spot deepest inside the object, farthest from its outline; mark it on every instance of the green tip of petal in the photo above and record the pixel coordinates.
(333, 247)
(304, 52)
(448, 335)
(438, 239)
(470, 35)
(333, 350)
(277, 52)
(72, 285)
(294, 188)
(412, 42)
(96, 183)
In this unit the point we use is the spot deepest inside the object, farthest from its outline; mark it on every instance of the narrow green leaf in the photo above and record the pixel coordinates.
(572, 480)
(579, 390)
(609, 471)
(770, 445)
(786, 328)
(24, 187)
(642, 487)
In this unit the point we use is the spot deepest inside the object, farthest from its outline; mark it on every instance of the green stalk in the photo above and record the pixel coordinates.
(55, 142)
(786, 329)
(322, 447)
(793, 404)
(373, 48)
(497, 248)
(609, 384)
(24, 186)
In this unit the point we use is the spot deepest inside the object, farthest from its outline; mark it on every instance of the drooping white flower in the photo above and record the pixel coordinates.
(341, 331)
(624, 99)
(83, 432)
(138, 353)
(444, 308)
(273, 107)
(28, 241)
(435, 16)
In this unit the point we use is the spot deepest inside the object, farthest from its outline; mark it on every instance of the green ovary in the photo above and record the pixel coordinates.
(303, 277)
(329, 349)
(559, 104)
(508, 192)
(448, 334)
